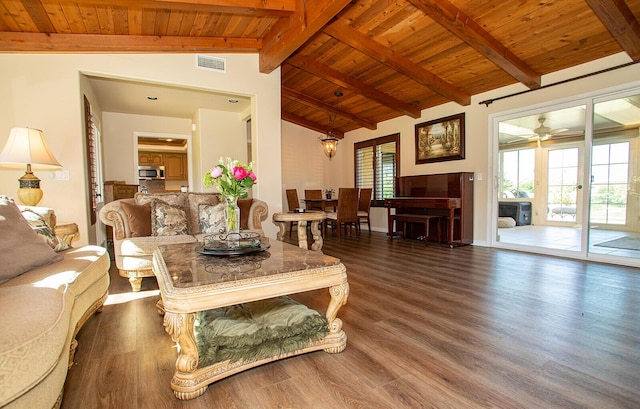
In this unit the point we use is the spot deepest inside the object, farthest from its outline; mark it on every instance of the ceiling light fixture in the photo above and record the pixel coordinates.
(329, 141)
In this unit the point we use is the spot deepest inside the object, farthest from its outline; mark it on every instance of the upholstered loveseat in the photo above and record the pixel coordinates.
(142, 223)
(45, 298)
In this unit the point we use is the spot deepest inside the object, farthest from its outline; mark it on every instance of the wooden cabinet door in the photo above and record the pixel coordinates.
(150, 159)
(185, 167)
(174, 167)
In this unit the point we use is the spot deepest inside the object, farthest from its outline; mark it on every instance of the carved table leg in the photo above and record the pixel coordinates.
(283, 228)
(317, 236)
(180, 328)
(339, 295)
(302, 234)
(160, 306)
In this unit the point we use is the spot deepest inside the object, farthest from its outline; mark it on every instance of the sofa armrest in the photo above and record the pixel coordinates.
(112, 215)
(258, 213)
(48, 214)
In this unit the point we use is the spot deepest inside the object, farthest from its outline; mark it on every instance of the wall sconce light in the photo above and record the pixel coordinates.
(27, 146)
(328, 141)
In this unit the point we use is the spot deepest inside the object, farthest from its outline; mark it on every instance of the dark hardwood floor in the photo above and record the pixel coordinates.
(432, 327)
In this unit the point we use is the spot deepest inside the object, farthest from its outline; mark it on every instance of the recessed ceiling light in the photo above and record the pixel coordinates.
(152, 98)
(233, 100)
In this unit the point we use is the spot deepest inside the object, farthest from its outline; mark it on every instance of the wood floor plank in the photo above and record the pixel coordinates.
(433, 327)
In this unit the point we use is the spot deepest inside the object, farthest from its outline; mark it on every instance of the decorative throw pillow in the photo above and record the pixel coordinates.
(211, 218)
(139, 218)
(194, 200)
(245, 206)
(257, 330)
(20, 247)
(168, 220)
(40, 226)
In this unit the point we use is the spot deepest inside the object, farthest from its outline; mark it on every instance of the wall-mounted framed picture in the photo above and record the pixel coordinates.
(440, 140)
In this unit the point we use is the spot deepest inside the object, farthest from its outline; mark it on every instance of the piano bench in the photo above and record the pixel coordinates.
(417, 218)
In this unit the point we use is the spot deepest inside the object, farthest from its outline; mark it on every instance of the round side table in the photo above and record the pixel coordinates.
(315, 217)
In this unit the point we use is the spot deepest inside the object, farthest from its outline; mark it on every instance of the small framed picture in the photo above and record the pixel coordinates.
(440, 140)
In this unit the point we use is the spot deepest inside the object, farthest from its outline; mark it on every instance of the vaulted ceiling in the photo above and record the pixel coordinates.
(388, 58)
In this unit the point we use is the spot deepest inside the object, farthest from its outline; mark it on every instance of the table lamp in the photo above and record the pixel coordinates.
(27, 146)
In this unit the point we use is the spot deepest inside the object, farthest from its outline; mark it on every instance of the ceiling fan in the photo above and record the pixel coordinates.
(542, 133)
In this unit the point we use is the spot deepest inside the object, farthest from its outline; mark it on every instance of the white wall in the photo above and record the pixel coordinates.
(307, 167)
(45, 92)
(119, 142)
(478, 141)
(222, 134)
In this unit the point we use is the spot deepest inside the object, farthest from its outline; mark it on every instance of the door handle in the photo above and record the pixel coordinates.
(579, 186)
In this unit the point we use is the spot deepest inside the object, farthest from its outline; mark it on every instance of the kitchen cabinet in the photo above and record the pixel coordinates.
(175, 166)
(150, 159)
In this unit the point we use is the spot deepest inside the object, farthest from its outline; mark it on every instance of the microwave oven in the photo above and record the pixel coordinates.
(150, 172)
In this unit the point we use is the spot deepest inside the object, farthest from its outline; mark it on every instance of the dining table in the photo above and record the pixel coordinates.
(321, 204)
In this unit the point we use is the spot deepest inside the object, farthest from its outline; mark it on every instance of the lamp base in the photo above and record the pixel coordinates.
(29, 193)
(30, 196)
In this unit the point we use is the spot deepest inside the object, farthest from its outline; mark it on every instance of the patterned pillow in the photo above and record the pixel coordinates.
(40, 226)
(211, 218)
(168, 220)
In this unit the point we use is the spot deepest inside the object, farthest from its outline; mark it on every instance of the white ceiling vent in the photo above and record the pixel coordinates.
(211, 63)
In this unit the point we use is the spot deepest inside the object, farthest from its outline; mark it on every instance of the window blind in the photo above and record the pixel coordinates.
(376, 166)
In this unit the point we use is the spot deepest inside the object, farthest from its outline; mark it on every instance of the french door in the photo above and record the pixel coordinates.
(575, 167)
(564, 175)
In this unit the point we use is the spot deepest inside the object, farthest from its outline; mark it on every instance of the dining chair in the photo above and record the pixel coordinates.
(313, 194)
(293, 203)
(364, 206)
(347, 212)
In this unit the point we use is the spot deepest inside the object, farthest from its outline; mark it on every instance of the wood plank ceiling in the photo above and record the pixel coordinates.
(388, 57)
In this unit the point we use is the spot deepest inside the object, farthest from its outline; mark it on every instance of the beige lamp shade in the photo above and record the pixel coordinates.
(26, 146)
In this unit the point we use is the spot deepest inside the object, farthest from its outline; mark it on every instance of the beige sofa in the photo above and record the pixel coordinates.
(41, 311)
(133, 244)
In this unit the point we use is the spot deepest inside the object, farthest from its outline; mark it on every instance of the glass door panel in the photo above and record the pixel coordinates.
(614, 211)
(562, 185)
(539, 174)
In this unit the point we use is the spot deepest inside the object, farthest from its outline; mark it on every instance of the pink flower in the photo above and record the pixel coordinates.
(252, 176)
(216, 172)
(239, 173)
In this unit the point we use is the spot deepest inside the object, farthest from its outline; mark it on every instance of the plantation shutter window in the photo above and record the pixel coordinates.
(376, 166)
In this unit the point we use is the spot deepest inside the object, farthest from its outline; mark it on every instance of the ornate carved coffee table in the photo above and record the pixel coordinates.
(190, 282)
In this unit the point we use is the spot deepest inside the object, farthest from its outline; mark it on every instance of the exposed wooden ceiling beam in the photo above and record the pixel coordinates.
(342, 32)
(454, 20)
(318, 104)
(274, 8)
(287, 35)
(342, 80)
(621, 23)
(39, 16)
(83, 43)
(294, 119)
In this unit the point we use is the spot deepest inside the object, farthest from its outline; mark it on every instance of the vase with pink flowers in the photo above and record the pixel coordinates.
(233, 179)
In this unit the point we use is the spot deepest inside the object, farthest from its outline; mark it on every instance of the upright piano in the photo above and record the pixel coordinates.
(449, 195)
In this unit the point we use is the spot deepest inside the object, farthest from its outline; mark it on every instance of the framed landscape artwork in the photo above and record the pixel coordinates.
(440, 140)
